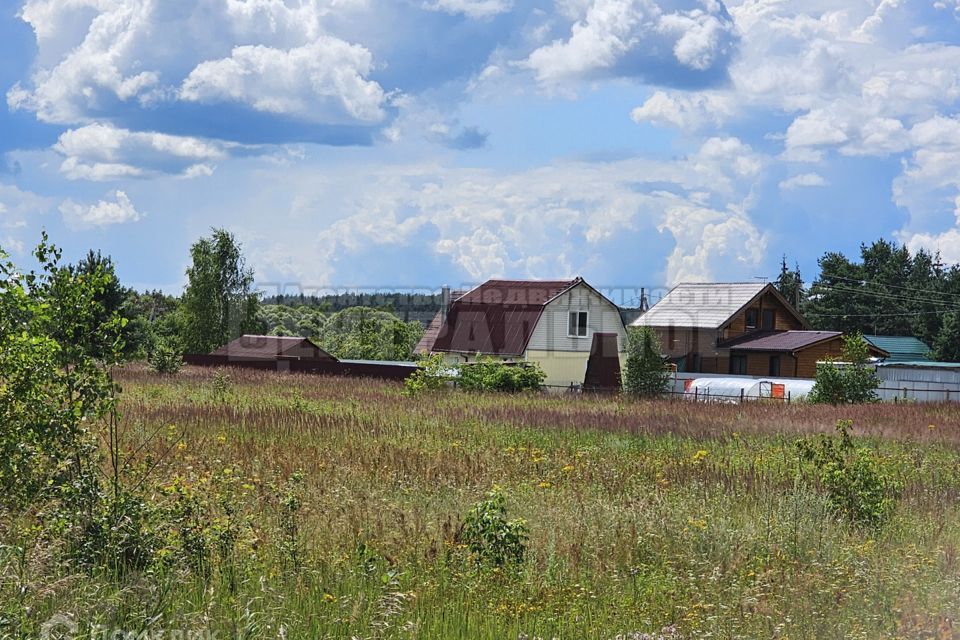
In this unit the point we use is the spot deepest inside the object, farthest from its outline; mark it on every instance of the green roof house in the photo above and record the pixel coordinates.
(901, 348)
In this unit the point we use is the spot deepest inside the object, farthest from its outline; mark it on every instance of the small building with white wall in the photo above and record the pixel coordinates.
(562, 325)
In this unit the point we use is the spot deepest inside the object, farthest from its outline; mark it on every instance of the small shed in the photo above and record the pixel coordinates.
(920, 381)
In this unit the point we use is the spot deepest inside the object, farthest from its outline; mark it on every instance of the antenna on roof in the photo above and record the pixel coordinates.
(644, 304)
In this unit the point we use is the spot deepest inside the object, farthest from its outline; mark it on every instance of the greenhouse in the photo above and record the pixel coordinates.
(736, 389)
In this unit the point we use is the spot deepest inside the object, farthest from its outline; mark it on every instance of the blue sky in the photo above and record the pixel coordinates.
(421, 142)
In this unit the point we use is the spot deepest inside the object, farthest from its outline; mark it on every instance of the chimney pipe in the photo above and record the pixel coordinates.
(444, 301)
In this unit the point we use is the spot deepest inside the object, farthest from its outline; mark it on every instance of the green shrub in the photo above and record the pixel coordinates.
(486, 374)
(433, 375)
(856, 483)
(165, 358)
(852, 382)
(492, 538)
(221, 386)
(116, 531)
(490, 374)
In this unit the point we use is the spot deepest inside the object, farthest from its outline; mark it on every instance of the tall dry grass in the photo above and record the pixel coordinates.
(642, 516)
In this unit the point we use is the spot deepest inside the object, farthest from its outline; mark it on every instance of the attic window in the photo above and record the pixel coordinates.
(577, 326)
(751, 319)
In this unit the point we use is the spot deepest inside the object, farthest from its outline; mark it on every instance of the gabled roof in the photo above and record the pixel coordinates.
(517, 292)
(707, 305)
(251, 347)
(498, 317)
(901, 348)
(787, 341)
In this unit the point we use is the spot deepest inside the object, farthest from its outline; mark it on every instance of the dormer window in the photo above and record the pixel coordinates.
(577, 326)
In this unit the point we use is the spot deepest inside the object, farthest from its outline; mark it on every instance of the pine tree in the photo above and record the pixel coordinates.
(946, 347)
(790, 284)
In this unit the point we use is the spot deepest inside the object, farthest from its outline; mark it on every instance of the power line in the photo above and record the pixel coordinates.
(873, 315)
(890, 296)
(884, 284)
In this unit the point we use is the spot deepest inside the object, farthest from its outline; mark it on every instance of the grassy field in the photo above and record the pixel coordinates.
(306, 507)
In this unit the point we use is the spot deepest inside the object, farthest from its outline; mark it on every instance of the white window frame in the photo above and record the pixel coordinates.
(586, 327)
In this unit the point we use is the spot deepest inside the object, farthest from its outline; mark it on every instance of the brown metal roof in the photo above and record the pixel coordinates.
(250, 347)
(782, 340)
(498, 317)
(488, 328)
(429, 337)
(516, 292)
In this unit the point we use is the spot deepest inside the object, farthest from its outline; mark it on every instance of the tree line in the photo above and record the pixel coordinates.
(887, 290)
(219, 305)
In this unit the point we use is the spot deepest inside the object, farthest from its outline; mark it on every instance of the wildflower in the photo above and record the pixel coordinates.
(568, 468)
(329, 597)
(222, 438)
(181, 446)
(699, 456)
(545, 484)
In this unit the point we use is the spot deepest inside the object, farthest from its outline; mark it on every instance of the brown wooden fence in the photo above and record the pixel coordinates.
(386, 371)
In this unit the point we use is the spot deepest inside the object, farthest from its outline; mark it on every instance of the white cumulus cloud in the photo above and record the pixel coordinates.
(685, 111)
(102, 214)
(642, 37)
(803, 180)
(547, 221)
(99, 58)
(471, 8)
(104, 152)
(323, 81)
